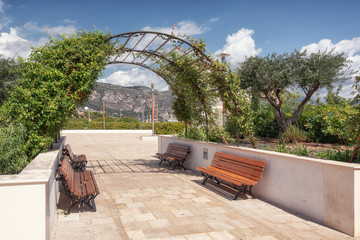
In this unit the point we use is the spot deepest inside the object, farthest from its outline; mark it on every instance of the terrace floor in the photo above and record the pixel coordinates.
(141, 200)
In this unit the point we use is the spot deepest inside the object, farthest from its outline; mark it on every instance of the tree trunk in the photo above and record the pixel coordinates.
(354, 153)
(282, 123)
(355, 150)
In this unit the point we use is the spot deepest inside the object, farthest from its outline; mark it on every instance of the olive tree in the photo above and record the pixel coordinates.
(269, 77)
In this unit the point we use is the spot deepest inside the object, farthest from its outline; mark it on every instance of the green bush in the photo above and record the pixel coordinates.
(219, 135)
(294, 134)
(167, 128)
(337, 155)
(194, 133)
(265, 124)
(281, 146)
(55, 79)
(300, 150)
(327, 123)
(13, 156)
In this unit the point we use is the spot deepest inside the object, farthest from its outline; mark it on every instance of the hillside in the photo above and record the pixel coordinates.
(131, 101)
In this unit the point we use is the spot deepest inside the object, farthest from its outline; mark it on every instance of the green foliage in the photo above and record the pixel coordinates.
(219, 135)
(55, 79)
(328, 122)
(194, 133)
(161, 128)
(265, 121)
(167, 128)
(270, 76)
(12, 158)
(8, 77)
(294, 134)
(281, 146)
(300, 150)
(337, 155)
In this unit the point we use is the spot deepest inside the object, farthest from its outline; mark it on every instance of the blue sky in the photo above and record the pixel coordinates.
(241, 28)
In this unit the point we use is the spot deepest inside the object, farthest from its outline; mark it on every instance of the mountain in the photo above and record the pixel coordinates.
(130, 101)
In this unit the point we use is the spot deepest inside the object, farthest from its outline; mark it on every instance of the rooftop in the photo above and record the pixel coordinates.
(141, 200)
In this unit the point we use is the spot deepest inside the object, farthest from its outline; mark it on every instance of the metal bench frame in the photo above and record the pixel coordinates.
(175, 155)
(79, 186)
(77, 161)
(241, 173)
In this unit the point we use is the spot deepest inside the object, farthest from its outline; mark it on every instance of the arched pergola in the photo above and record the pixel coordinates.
(149, 49)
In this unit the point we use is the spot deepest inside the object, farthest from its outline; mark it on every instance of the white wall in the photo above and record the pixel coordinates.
(326, 191)
(28, 200)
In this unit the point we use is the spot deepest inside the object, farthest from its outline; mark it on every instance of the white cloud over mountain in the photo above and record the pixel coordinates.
(135, 77)
(239, 45)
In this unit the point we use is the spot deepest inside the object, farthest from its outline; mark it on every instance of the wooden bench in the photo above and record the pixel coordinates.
(241, 173)
(77, 161)
(80, 186)
(175, 155)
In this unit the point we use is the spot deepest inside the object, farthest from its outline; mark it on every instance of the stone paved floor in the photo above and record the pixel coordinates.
(141, 200)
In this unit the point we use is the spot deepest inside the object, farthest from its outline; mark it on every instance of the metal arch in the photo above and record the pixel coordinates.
(164, 36)
(140, 39)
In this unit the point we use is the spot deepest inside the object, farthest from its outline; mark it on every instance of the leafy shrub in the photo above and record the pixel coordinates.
(194, 133)
(166, 128)
(327, 122)
(56, 78)
(265, 124)
(294, 134)
(281, 146)
(219, 135)
(337, 155)
(300, 150)
(13, 157)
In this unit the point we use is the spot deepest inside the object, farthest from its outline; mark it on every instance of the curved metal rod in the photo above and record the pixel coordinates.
(150, 54)
(169, 36)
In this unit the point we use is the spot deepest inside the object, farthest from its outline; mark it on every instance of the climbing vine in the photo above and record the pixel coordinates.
(55, 79)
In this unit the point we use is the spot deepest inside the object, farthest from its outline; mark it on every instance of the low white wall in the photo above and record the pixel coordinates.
(326, 191)
(28, 200)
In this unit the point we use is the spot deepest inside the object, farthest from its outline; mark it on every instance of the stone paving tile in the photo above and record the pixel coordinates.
(141, 200)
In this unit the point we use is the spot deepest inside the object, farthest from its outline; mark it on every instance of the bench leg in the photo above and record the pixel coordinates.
(249, 191)
(240, 189)
(178, 163)
(72, 205)
(92, 205)
(216, 180)
(206, 177)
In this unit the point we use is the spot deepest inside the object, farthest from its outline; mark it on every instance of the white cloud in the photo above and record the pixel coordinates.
(215, 19)
(17, 41)
(12, 45)
(184, 27)
(33, 28)
(239, 45)
(136, 77)
(69, 21)
(351, 48)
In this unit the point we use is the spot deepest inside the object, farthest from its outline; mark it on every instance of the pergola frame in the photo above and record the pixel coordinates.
(148, 49)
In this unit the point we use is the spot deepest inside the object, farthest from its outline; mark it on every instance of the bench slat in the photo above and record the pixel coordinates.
(77, 190)
(175, 154)
(240, 171)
